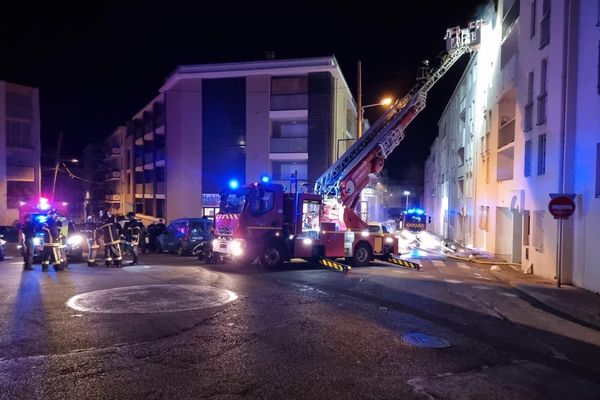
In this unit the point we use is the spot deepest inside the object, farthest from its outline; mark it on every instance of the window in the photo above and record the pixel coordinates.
(264, 202)
(545, 24)
(541, 170)
(528, 123)
(18, 133)
(527, 171)
(283, 170)
(285, 129)
(532, 21)
(541, 109)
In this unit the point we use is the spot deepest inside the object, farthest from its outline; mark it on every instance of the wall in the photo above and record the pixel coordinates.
(586, 136)
(258, 89)
(184, 150)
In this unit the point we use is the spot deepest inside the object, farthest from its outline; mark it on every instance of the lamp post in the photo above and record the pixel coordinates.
(406, 193)
(384, 102)
(58, 162)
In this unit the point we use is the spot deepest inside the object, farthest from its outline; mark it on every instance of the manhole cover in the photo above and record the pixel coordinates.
(149, 299)
(423, 340)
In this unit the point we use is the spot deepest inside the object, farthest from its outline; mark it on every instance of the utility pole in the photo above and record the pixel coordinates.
(60, 135)
(359, 122)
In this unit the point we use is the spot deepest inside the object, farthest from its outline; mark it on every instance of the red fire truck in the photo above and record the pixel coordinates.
(262, 220)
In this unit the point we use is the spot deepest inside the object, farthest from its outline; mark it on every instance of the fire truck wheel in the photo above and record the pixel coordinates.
(362, 255)
(180, 251)
(272, 256)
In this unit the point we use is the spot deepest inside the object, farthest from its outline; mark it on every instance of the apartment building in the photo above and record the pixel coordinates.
(213, 123)
(520, 126)
(19, 148)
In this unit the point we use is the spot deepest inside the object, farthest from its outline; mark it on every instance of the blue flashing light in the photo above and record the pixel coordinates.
(265, 179)
(234, 184)
(416, 211)
(41, 219)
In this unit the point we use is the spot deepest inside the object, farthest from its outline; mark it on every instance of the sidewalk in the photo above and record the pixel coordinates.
(574, 304)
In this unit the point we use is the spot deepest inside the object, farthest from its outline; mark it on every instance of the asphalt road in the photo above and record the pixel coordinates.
(174, 329)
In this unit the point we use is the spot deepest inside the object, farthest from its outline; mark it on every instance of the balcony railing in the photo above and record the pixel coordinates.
(113, 152)
(113, 197)
(289, 102)
(113, 176)
(289, 145)
(506, 134)
(149, 188)
(160, 188)
(20, 174)
(139, 188)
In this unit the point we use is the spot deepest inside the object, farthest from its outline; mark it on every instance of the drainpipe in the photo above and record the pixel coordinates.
(571, 25)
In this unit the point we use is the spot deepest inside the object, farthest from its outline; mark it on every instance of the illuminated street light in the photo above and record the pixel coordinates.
(406, 193)
(384, 102)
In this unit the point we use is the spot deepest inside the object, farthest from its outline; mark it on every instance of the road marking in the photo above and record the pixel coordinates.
(452, 281)
(438, 263)
(481, 287)
(149, 299)
(463, 266)
(508, 294)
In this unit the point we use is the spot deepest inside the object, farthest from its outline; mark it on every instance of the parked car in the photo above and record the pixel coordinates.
(2, 248)
(182, 235)
(9, 233)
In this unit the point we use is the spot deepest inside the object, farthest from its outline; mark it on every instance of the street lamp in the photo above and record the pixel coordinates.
(384, 102)
(58, 162)
(406, 193)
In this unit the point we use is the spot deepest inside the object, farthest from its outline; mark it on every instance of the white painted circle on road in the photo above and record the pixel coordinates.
(150, 299)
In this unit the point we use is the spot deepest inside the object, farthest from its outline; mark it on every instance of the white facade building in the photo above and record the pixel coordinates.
(524, 123)
(19, 148)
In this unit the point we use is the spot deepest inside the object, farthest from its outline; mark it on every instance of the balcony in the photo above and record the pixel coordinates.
(289, 102)
(113, 198)
(139, 188)
(160, 188)
(149, 188)
(23, 174)
(148, 127)
(113, 152)
(289, 145)
(506, 134)
(113, 176)
(148, 158)
(509, 73)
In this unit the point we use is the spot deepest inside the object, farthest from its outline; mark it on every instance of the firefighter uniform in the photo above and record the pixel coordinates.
(91, 230)
(52, 243)
(28, 234)
(133, 230)
(112, 240)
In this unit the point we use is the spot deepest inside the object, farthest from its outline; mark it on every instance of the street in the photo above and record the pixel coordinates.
(173, 328)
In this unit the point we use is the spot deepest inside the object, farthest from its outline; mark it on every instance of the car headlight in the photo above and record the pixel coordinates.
(74, 240)
(389, 240)
(215, 242)
(364, 233)
(37, 241)
(236, 248)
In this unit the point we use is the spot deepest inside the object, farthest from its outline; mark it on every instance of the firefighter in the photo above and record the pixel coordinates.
(111, 233)
(51, 251)
(132, 230)
(28, 231)
(91, 230)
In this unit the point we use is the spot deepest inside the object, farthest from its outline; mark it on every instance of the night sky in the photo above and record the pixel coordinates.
(97, 64)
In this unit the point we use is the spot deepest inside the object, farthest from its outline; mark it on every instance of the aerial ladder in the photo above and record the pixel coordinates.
(349, 175)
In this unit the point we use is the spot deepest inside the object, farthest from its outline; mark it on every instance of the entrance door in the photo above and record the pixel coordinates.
(517, 218)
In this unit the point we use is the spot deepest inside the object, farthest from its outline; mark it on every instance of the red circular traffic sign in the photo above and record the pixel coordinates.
(561, 207)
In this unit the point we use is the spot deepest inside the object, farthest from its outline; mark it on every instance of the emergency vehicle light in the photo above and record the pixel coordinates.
(234, 184)
(265, 179)
(43, 204)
